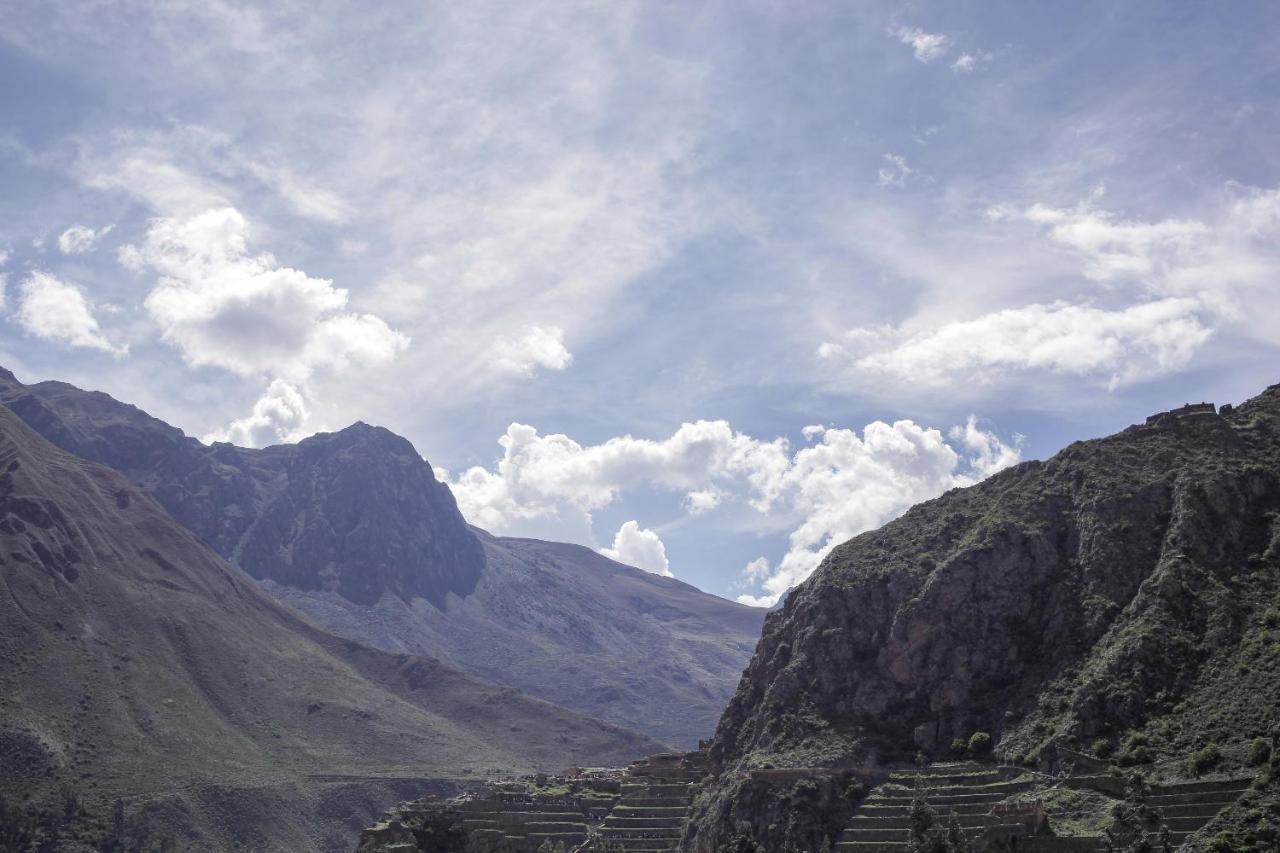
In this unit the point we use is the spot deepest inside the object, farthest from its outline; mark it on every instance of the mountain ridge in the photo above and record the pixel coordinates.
(138, 663)
(353, 529)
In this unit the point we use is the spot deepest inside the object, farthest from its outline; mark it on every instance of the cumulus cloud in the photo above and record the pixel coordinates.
(278, 416)
(1111, 347)
(57, 311)
(79, 239)
(222, 305)
(1155, 293)
(925, 46)
(539, 347)
(843, 483)
(639, 547)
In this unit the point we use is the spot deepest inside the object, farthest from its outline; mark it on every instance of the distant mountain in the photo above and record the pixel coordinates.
(137, 664)
(1121, 599)
(353, 529)
(569, 625)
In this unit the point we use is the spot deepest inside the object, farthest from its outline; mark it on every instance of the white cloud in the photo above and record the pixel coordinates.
(539, 347)
(224, 307)
(894, 171)
(79, 239)
(639, 547)
(278, 416)
(925, 46)
(4, 257)
(57, 311)
(306, 199)
(755, 572)
(829, 491)
(1113, 247)
(1111, 347)
(221, 305)
(1227, 261)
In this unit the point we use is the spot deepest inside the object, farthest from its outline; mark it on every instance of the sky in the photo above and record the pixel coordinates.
(710, 287)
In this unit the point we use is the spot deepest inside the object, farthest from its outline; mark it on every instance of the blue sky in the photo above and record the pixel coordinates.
(732, 282)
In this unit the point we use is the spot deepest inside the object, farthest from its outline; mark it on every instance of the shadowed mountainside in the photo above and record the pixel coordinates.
(1122, 599)
(137, 664)
(353, 529)
(357, 512)
(565, 623)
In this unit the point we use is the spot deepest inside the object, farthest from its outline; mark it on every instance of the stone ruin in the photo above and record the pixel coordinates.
(641, 809)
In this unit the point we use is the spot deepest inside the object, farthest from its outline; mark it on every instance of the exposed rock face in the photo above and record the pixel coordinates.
(358, 512)
(135, 662)
(1127, 584)
(353, 529)
(361, 513)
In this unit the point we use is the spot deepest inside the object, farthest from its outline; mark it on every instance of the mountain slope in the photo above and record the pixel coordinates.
(353, 529)
(136, 663)
(1123, 596)
(358, 511)
(567, 624)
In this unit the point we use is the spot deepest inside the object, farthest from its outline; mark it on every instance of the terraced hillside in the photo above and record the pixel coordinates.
(644, 809)
(994, 804)
(963, 793)
(654, 809)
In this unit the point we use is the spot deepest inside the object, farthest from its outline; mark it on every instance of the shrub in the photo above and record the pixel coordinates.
(1223, 842)
(1272, 617)
(1101, 748)
(1205, 759)
(959, 746)
(1135, 740)
(1259, 752)
(979, 743)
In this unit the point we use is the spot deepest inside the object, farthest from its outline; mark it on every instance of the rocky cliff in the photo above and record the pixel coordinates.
(1121, 599)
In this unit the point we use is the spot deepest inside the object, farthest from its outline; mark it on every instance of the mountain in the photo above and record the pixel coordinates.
(564, 623)
(358, 511)
(353, 529)
(1121, 599)
(137, 665)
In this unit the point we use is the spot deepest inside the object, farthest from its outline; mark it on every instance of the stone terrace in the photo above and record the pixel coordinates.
(969, 791)
(976, 795)
(654, 808)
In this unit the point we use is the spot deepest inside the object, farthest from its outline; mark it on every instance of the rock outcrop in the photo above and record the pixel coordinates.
(1121, 599)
